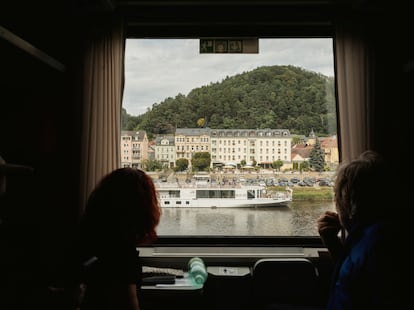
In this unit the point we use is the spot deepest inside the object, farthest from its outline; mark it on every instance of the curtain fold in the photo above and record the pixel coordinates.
(103, 80)
(354, 61)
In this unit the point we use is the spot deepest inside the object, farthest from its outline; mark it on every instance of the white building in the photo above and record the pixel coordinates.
(261, 145)
(164, 149)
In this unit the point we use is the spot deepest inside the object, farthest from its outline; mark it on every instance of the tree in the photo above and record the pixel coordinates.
(152, 164)
(295, 166)
(201, 122)
(201, 161)
(277, 164)
(181, 164)
(296, 140)
(304, 166)
(317, 157)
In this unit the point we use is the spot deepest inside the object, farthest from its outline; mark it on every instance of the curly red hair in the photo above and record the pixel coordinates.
(124, 203)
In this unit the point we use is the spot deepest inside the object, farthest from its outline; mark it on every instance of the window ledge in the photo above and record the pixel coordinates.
(228, 252)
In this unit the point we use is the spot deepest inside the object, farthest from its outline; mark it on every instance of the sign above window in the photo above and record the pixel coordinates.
(229, 46)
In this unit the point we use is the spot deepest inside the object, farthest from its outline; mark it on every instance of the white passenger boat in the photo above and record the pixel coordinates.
(202, 193)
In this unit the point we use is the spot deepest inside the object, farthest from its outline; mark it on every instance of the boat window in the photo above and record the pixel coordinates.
(250, 194)
(276, 106)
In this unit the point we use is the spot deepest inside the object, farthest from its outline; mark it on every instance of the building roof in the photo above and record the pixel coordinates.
(302, 150)
(139, 135)
(266, 132)
(193, 131)
(329, 142)
(170, 138)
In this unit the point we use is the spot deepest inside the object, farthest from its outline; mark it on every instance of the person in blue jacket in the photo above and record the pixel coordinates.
(363, 237)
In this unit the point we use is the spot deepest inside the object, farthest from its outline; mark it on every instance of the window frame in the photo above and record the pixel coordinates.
(314, 20)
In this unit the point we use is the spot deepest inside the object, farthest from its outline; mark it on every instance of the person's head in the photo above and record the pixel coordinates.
(124, 204)
(361, 189)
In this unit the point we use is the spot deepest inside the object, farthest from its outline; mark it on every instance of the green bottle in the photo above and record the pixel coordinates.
(197, 270)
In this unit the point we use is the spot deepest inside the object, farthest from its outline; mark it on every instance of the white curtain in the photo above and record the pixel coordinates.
(354, 62)
(103, 80)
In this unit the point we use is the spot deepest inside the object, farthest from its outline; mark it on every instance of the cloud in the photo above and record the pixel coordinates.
(156, 69)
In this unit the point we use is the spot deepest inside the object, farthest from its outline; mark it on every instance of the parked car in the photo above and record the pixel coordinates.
(324, 182)
(301, 183)
(295, 180)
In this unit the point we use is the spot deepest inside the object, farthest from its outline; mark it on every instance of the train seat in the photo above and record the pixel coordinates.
(286, 283)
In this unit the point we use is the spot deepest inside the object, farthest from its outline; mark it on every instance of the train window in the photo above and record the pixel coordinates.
(238, 144)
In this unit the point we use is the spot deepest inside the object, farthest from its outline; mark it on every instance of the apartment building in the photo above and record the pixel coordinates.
(226, 146)
(134, 148)
(263, 146)
(164, 150)
(191, 140)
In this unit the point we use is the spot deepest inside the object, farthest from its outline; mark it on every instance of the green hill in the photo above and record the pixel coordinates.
(267, 97)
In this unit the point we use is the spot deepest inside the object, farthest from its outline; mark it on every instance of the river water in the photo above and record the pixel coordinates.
(296, 219)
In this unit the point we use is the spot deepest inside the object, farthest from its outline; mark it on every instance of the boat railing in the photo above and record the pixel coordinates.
(227, 185)
(286, 194)
(198, 185)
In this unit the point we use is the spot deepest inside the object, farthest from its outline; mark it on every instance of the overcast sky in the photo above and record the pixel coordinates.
(156, 69)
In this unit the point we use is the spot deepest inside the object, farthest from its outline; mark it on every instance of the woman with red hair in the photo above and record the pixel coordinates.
(121, 213)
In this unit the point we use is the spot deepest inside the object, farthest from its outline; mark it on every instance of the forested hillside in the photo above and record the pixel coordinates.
(274, 97)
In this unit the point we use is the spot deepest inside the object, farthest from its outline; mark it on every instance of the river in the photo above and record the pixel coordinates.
(296, 219)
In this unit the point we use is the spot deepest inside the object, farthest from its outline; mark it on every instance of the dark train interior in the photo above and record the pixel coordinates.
(42, 47)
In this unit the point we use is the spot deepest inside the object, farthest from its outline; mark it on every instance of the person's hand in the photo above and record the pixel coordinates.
(328, 226)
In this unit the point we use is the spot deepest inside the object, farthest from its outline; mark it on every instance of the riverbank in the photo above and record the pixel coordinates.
(315, 193)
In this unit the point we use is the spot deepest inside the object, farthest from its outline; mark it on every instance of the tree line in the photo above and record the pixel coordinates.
(277, 97)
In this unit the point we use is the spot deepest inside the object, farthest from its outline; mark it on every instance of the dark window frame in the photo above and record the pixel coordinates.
(266, 20)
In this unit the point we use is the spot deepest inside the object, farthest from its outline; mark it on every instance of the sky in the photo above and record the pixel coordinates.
(156, 69)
